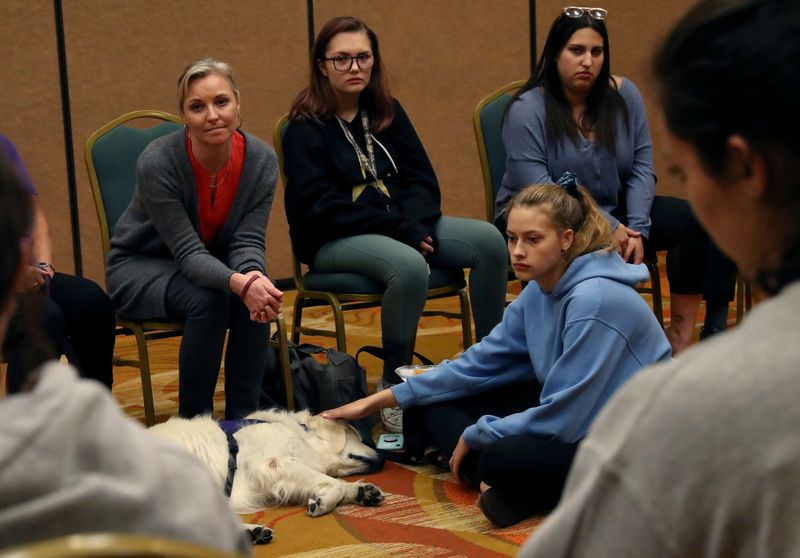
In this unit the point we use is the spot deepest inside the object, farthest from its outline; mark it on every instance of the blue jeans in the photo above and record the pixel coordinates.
(463, 243)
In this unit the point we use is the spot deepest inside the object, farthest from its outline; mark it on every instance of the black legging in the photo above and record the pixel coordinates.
(527, 471)
(694, 263)
(76, 319)
(207, 315)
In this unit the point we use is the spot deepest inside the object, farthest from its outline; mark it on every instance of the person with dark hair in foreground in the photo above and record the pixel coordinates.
(701, 457)
(72, 462)
(58, 312)
(362, 196)
(574, 115)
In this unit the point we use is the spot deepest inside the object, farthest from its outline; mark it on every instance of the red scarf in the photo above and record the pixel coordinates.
(213, 215)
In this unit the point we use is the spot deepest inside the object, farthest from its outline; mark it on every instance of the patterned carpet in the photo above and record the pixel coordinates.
(425, 514)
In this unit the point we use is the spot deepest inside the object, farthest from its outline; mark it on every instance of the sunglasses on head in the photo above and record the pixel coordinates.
(575, 12)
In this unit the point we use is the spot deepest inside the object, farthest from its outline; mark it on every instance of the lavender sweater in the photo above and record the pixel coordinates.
(532, 157)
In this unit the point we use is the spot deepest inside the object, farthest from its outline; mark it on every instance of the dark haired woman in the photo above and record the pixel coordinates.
(362, 197)
(509, 413)
(75, 317)
(190, 246)
(573, 115)
(700, 457)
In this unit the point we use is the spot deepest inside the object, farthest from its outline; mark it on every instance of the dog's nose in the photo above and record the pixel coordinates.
(373, 463)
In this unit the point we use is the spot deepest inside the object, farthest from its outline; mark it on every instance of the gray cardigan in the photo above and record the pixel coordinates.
(158, 234)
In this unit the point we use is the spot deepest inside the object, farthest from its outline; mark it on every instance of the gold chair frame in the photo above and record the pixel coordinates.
(112, 545)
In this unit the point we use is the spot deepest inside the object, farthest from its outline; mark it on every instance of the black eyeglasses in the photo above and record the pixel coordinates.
(577, 11)
(344, 62)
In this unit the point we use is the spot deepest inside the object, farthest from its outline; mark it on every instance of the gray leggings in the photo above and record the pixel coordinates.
(463, 243)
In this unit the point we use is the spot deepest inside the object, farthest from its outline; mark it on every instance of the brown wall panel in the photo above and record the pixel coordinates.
(126, 56)
(30, 109)
(635, 29)
(443, 56)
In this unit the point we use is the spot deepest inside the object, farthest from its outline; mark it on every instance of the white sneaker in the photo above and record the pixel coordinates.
(391, 417)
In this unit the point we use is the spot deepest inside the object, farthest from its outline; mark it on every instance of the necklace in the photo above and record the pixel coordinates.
(214, 182)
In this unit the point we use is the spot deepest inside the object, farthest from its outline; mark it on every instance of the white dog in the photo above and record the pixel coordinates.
(289, 458)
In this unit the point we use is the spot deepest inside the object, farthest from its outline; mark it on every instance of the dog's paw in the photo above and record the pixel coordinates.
(325, 498)
(369, 495)
(260, 534)
(315, 508)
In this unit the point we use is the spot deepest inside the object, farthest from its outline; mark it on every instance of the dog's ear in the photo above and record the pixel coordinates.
(332, 431)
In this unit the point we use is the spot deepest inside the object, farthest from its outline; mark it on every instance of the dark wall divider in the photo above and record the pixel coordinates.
(68, 147)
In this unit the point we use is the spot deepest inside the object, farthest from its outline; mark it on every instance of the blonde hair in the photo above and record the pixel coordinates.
(202, 68)
(569, 208)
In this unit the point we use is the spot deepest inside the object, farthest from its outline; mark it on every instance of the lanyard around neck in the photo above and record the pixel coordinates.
(369, 163)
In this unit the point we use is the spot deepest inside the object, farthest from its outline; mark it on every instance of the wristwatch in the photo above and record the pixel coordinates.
(46, 266)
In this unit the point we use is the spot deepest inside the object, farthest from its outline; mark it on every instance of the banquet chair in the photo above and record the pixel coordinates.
(112, 545)
(111, 154)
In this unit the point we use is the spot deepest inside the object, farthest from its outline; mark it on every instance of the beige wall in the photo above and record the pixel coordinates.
(30, 109)
(442, 56)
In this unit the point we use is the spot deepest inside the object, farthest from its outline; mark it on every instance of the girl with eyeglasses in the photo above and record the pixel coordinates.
(508, 414)
(362, 196)
(573, 115)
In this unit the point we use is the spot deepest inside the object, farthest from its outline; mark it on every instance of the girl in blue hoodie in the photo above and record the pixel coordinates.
(508, 414)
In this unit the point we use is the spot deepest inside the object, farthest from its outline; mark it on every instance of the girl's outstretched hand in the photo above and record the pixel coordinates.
(362, 407)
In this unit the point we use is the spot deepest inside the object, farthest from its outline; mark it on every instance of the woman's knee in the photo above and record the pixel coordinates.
(486, 243)
(409, 273)
(203, 303)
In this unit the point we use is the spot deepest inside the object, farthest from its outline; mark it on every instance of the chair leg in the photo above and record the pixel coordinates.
(283, 356)
(744, 298)
(466, 322)
(338, 318)
(655, 280)
(297, 319)
(748, 296)
(144, 372)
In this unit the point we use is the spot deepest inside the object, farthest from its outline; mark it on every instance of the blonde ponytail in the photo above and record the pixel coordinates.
(569, 206)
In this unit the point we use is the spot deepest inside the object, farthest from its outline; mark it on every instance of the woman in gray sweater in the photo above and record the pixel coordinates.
(190, 246)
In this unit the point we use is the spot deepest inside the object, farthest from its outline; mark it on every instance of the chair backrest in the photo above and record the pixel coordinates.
(278, 134)
(488, 123)
(112, 545)
(111, 154)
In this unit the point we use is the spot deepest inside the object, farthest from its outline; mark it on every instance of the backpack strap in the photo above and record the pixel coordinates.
(381, 353)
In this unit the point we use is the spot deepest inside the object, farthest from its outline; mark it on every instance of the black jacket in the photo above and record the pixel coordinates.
(322, 169)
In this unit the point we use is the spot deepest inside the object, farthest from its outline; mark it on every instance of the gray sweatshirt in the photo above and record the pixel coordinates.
(72, 462)
(699, 457)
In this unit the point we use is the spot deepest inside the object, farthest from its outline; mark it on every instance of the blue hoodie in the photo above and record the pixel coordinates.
(582, 342)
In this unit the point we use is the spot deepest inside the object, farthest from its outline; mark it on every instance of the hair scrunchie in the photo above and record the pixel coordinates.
(569, 181)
